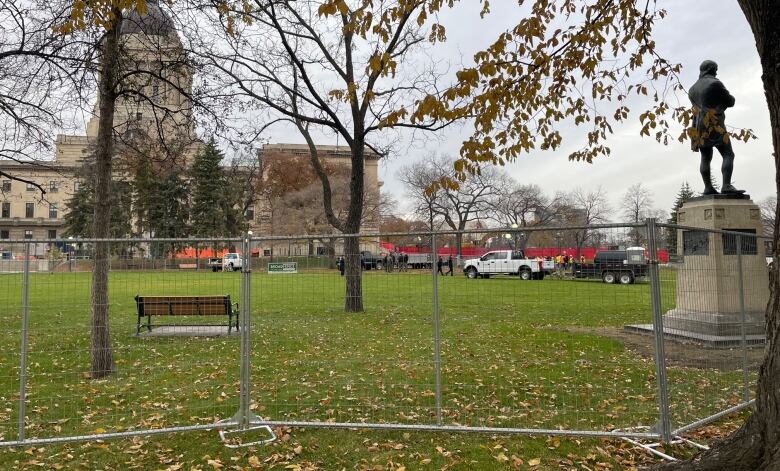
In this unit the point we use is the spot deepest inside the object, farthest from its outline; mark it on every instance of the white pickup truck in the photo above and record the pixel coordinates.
(229, 262)
(507, 262)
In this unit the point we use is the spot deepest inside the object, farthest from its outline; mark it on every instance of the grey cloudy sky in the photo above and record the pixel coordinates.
(693, 31)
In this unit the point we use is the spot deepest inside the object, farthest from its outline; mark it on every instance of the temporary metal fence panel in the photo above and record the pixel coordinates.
(13, 308)
(563, 342)
(714, 293)
(314, 362)
(177, 373)
(547, 353)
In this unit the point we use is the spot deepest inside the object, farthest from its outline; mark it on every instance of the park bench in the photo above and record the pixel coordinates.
(149, 306)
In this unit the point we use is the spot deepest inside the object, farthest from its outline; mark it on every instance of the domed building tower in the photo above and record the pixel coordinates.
(153, 114)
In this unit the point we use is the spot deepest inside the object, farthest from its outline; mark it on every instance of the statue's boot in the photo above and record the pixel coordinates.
(729, 189)
(709, 190)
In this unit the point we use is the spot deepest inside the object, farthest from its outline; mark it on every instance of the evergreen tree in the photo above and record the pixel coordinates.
(78, 219)
(168, 210)
(80, 215)
(144, 188)
(683, 195)
(209, 193)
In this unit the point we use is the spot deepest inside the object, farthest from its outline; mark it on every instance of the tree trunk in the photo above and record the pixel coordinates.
(756, 445)
(459, 245)
(331, 252)
(353, 301)
(102, 357)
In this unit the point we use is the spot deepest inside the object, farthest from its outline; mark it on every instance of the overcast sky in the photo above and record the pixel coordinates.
(694, 30)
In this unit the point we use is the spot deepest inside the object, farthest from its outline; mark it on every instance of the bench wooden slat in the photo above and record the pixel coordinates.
(149, 306)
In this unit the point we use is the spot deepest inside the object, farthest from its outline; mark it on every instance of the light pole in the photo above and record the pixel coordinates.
(69, 253)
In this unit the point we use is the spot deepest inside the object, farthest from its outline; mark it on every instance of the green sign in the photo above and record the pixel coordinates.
(283, 267)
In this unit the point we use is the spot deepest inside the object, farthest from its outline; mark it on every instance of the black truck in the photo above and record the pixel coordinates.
(371, 261)
(614, 266)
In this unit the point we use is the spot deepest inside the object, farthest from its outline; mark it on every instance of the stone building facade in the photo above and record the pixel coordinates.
(156, 114)
(153, 113)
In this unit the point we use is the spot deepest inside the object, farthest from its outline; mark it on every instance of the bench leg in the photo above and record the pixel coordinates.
(138, 327)
(230, 323)
(149, 323)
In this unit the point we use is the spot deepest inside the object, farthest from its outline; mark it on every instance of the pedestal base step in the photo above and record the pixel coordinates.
(716, 323)
(710, 340)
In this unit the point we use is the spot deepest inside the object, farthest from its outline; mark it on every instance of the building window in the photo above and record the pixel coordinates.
(29, 210)
(52, 233)
(54, 186)
(6, 185)
(6, 213)
(249, 214)
(53, 211)
(5, 235)
(30, 186)
(28, 234)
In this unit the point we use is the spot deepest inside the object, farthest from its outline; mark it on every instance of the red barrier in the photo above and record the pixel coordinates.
(531, 252)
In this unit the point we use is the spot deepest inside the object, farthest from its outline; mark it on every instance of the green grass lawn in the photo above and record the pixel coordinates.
(514, 354)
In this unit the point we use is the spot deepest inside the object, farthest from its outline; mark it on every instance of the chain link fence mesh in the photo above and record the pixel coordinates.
(546, 330)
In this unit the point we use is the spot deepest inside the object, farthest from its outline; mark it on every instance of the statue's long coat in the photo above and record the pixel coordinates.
(711, 99)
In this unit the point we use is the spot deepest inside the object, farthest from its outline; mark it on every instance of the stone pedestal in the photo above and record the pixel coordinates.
(708, 294)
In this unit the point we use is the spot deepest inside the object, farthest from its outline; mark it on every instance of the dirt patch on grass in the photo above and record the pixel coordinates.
(681, 353)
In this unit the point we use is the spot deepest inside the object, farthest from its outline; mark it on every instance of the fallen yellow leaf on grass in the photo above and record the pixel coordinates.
(534, 462)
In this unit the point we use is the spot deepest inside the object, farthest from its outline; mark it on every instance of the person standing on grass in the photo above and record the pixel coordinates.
(340, 264)
(449, 266)
(439, 264)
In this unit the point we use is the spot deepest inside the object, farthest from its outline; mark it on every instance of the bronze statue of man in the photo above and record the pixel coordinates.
(710, 100)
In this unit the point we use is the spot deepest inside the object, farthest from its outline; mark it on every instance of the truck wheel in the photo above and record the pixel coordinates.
(525, 274)
(230, 267)
(608, 277)
(214, 269)
(626, 278)
(379, 265)
(471, 273)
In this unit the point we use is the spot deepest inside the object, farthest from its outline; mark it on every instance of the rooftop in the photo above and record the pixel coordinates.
(155, 22)
(303, 149)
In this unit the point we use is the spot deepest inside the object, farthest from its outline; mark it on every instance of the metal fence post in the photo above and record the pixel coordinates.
(436, 337)
(740, 278)
(664, 422)
(246, 299)
(23, 344)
